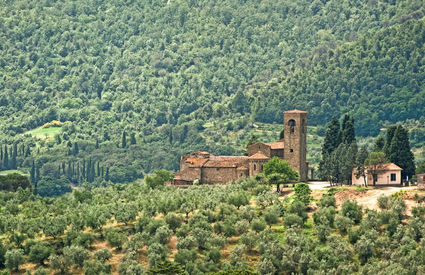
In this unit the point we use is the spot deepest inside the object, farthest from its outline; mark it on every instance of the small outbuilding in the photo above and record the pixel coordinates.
(386, 174)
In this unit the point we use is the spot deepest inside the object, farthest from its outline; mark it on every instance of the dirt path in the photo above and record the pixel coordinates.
(370, 200)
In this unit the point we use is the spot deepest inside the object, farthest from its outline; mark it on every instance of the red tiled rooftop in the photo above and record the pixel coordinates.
(276, 145)
(295, 111)
(258, 155)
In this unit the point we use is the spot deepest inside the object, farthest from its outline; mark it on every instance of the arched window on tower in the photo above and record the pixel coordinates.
(291, 124)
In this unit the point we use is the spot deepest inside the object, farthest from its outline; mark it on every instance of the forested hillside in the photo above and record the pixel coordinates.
(137, 81)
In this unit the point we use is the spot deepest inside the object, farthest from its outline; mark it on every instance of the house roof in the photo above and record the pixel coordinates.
(224, 161)
(276, 145)
(259, 156)
(196, 162)
(391, 166)
(295, 111)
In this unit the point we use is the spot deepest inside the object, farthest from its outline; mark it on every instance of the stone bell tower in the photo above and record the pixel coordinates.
(295, 135)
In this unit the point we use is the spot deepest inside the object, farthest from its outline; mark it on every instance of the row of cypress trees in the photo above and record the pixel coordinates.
(340, 152)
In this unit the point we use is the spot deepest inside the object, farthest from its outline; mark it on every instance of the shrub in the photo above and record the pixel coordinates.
(325, 215)
(343, 223)
(14, 258)
(298, 208)
(302, 192)
(258, 225)
(327, 200)
(290, 220)
(352, 210)
(38, 253)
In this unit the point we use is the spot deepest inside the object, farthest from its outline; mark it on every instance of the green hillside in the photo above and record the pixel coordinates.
(157, 73)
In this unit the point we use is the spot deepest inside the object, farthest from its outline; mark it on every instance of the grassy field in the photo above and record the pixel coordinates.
(45, 133)
(7, 172)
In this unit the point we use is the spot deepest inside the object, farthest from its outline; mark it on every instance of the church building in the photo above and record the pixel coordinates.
(210, 169)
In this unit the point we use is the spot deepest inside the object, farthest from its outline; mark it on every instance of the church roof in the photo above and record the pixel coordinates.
(259, 155)
(276, 145)
(295, 111)
(224, 161)
(196, 162)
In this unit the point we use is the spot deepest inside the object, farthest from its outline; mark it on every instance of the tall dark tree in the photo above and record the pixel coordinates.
(133, 138)
(37, 173)
(362, 155)
(107, 174)
(389, 137)
(332, 138)
(32, 173)
(348, 132)
(400, 152)
(379, 144)
(5, 158)
(124, 139)
(13, 164)
(76, 149)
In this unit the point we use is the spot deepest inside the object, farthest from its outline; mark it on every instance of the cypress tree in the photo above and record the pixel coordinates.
(37, 174)
(332, 138)
(97, 144)
(88, 170)
(5, 159)
(83, 172)
(13, 164)
(124, 139)
(390, 134)
(69, 173)
(78, 171)
(379, 144)
(76, 150)
(27, 151)
(132, 138)
(107, 174)
(98, 170)
(32, 173)
(400, 152)
(348, 132)
(1, 153)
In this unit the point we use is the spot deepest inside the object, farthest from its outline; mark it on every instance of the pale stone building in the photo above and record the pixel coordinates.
(210, 169)
(388, 174)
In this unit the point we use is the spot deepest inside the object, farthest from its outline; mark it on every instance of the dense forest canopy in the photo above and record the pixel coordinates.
(160, 70)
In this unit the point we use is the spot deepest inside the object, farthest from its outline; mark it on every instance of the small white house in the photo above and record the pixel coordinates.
(387, 174)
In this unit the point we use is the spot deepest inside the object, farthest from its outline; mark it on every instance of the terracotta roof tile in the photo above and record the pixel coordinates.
(258, 155)
(295, 111)
(276, 145)
(224, 161)
(196, 162)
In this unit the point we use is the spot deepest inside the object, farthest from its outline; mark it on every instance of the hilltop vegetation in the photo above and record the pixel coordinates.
(138, 80)
(133, 229)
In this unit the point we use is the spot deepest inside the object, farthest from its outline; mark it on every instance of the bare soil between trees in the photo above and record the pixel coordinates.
(367, 198)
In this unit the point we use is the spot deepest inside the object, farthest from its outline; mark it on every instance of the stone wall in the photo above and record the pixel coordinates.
(259, 147)
(295, 129)
(219, 175)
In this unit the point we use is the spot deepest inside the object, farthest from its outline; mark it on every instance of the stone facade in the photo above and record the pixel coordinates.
(210, 169)
(388, 174)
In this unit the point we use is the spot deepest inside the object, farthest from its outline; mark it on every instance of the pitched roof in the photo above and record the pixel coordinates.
(196, 162)
(276, 145)
(259, 155)
(391, 166)
(224, 161)
(295, 111)
(387, 167)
